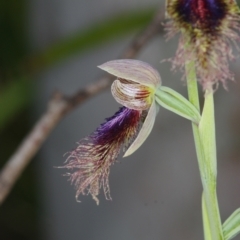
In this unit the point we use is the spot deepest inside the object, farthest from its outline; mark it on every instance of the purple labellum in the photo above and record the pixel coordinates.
(117, 127)
(90, 162)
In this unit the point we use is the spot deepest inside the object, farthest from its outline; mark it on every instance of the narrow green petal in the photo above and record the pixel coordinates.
(145, 130)
(134, 70)
(175, 102)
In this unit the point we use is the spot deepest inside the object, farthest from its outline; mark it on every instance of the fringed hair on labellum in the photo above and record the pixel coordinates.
(90, 162)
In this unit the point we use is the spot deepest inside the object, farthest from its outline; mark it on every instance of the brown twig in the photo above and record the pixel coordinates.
(58, 107)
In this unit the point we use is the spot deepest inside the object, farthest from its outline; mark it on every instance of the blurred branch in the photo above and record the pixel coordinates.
(61, 105)
(16, 94)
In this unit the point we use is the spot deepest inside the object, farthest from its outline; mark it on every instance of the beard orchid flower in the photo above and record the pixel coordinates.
(208, 30)
(138, 88)
(127, 129)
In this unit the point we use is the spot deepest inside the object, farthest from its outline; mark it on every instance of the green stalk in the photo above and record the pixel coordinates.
(208, 138)
(204, 137)
(206, 223)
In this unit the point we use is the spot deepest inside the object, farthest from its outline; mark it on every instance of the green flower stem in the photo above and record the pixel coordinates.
(192, 84)
(204, 137)
(206, 223)
(207, 133)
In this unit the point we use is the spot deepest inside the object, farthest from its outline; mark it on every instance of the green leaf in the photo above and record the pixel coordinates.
(231, 226)
(13, 98)
(175, 102)
(14, 33)
(95, 36)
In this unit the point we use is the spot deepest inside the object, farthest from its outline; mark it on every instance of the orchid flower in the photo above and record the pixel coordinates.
(207, 28)
(138, 88)
(128, 128)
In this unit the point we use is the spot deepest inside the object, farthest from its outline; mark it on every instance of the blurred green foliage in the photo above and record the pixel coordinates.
(101, 33)
(19, 213)
(13, 40)
(14, 98)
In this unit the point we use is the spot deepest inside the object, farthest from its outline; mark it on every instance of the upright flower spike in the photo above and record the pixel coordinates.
(208, 30)
(129, 127)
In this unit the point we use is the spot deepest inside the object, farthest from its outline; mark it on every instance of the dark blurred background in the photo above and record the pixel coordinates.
(48, 45)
